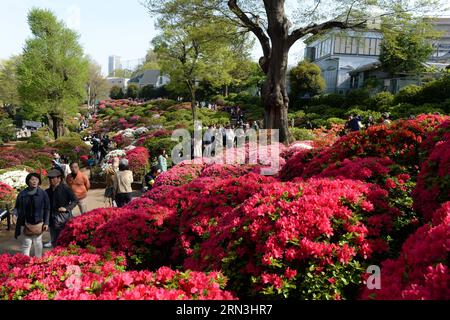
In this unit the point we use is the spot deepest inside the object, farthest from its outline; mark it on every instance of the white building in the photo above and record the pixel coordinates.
(120, 82)
(339, 52)
(113, 64)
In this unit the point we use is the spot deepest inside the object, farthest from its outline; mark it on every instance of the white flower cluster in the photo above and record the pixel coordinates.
(140, 131)
(128, 133)
(115, 153)
(15, 179)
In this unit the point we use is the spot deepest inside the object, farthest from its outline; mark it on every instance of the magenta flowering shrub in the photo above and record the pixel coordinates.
(305, 240)
(89, 274)
(433, 182)
(80, 230)
(7, 193)
(139, 234)
(421, 272)
(138, 161)
(180, 174)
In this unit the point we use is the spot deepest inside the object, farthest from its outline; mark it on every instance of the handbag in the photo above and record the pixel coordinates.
(60, 219)
(33, 229)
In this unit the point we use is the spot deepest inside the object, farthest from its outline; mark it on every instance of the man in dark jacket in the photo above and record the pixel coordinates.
(62, 202)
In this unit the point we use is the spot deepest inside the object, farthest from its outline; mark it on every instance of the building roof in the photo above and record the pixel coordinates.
(147, 77)
(366, 67)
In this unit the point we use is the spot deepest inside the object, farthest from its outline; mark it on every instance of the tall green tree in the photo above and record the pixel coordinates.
(97, 86)
(53, 72)
(9, 94)
(190, 51)
(407, 44)
(306, 78)
(278, 25)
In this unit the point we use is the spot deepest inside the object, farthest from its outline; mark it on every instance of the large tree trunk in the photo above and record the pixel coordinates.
(274, 94)
(57, 124)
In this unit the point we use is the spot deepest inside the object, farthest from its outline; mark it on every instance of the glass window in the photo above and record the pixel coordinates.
(378, 47)
(348, 45)
(361, 44)
(354, 45)
(337, 45)
(366, 46)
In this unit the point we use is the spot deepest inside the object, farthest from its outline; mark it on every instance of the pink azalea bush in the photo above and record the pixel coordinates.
(89, 274)
(288, 239)
(421, 272)
(7, 193)
(180, 174)
(138, 160)
(433, 182)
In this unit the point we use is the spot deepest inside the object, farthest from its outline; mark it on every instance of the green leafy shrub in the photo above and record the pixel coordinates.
(407, 94)
(301, 134)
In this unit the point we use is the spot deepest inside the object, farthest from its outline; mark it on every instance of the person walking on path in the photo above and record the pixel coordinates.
(79, 183)
(122, 184)
(62, 202)
(162, 161)
(110, 173)
(33, 209)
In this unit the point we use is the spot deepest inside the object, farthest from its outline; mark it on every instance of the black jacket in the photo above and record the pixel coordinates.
(32, 209)
(63, 197)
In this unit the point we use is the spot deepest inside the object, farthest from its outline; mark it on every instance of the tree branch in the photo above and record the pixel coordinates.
(257, 31)
(317, 28)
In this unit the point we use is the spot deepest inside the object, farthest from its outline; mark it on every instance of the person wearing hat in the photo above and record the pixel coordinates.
(62, 202)
(33, 210)
(122, 184)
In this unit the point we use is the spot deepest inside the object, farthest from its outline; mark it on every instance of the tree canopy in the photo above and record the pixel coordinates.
(407, 44)
(306, 78)
(53, 71)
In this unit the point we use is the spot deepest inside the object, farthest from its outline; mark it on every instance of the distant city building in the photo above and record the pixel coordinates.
(150, 77)
(114, 64)
(347, 57)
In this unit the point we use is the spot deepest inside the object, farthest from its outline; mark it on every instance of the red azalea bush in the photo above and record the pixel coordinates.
(80, 230)
(303, 240)
(399, 141)
(397, 218)
(295, 164)
(421, 272)
(211, 203)
(180, 174)
(433, 182)
(140, 234)
(80, 274)
(138, 161)
(227, 171)
(7, 193)
(327, 137)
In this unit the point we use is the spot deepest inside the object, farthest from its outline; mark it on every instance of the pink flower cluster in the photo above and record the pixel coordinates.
(421, 271)
(138, 159)
(433, 182)
(181, 174)
(7, 193)
(88, 274)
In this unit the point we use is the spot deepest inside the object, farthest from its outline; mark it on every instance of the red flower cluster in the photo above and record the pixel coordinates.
(79, 274)
(399, 142)
(287, 237)
(82, 229)
(7, 194)
(180, 174)
(138, 159)
(433, 182)
(421, 272)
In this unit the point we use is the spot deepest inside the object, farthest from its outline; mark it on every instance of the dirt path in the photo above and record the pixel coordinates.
(10, 245)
